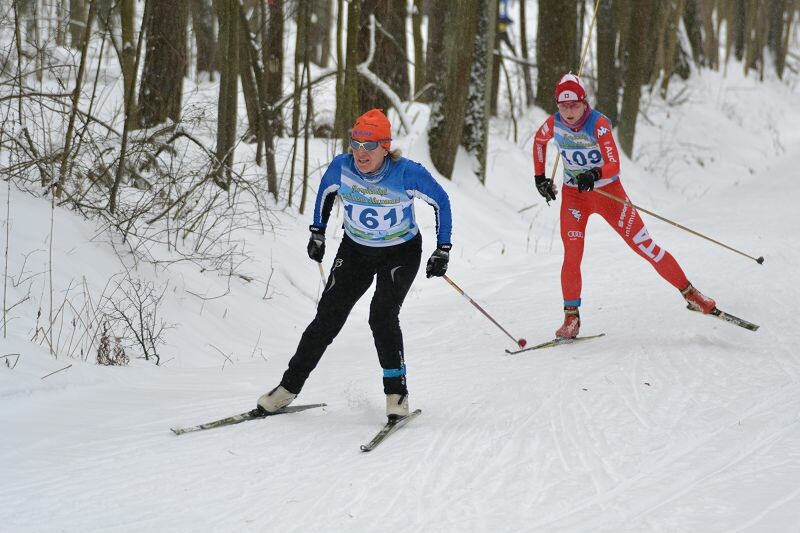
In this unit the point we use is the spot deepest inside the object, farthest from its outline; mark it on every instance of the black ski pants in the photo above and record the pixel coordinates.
(351, 275)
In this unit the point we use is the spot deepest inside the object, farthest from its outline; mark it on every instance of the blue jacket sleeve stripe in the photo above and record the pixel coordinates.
(441, 209)
(330, 183)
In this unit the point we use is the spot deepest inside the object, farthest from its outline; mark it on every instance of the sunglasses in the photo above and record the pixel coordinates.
(366, 145)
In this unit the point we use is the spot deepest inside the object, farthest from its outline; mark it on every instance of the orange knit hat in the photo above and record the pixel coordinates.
(373, 126)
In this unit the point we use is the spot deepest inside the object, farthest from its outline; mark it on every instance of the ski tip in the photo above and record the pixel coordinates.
(365, 448)
(177, 431)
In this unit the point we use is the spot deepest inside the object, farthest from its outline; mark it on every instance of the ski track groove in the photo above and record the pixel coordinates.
(752, 522)
(714, 464)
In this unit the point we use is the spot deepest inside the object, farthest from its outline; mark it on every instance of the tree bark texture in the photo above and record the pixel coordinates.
(161, 91)
(77, 20)
(475, 136)
(389, 59)
(556, 42)
(778, 33)
(248, 77)
(634, 74)
(320, 32)
(204, 38)
(449, 70)
(228, 91)
(694, 32)
(607, 71)
(671, 44)
(523, 50)
(127, 18)
(419, 51)
(348, 106)
(272, 50)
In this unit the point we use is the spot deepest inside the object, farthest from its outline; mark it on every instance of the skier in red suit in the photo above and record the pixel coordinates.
(591, 161)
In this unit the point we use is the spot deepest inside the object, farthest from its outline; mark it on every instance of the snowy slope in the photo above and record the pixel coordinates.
(672, 422)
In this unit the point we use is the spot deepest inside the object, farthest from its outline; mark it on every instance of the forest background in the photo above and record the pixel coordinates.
(176, 123)
(158, 163)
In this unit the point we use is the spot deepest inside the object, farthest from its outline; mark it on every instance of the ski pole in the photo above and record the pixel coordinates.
(759, 260)
(521, 342)
(322, 278)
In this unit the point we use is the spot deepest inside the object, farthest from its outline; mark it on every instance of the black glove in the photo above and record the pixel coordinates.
(437, 264)
(586, 179)
(545, 187)
(316, 244)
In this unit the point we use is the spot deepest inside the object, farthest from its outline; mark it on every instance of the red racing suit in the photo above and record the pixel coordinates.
(592, 146)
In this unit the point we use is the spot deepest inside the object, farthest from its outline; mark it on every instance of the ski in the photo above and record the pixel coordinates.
(735, 320)
(390, 427)
(253, 414)
(558, 341)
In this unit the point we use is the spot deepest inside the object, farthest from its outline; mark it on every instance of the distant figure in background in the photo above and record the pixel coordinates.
(381, 238)
(503, 22)
(591, 160)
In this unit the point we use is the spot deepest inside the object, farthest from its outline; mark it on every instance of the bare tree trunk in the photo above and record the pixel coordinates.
(130, 111)
(523, 39)
(692, 24)
(27, 17)
(419, 52)
(267, 119)
(671, 44)
(77, 16)
(475, 136)
(21, 119)
(555, 47)
(272, 49)
(780, 18)
(761, 38)
(622, 19)
(60, 30)
(436, 46)
(127, 16)
(105, 19)
(76, 94)
(306, 130)
(634, 74)
(228, 91)
(494, 88)
(204, 39)
(347, 107)
(246, 74)
(710, 39)
(607, 71)
(656, 43)
(751, 54)
(576, 58)
(301, 52)
(161, 92)
(320, 32)
(338, 120)
(390, 55)
(451, 81)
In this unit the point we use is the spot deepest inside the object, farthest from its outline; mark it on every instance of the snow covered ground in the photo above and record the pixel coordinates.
(671, 422)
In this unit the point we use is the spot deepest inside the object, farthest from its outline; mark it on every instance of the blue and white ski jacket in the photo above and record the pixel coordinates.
(379, 207)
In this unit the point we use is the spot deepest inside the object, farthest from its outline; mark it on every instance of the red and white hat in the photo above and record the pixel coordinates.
(570, 89)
